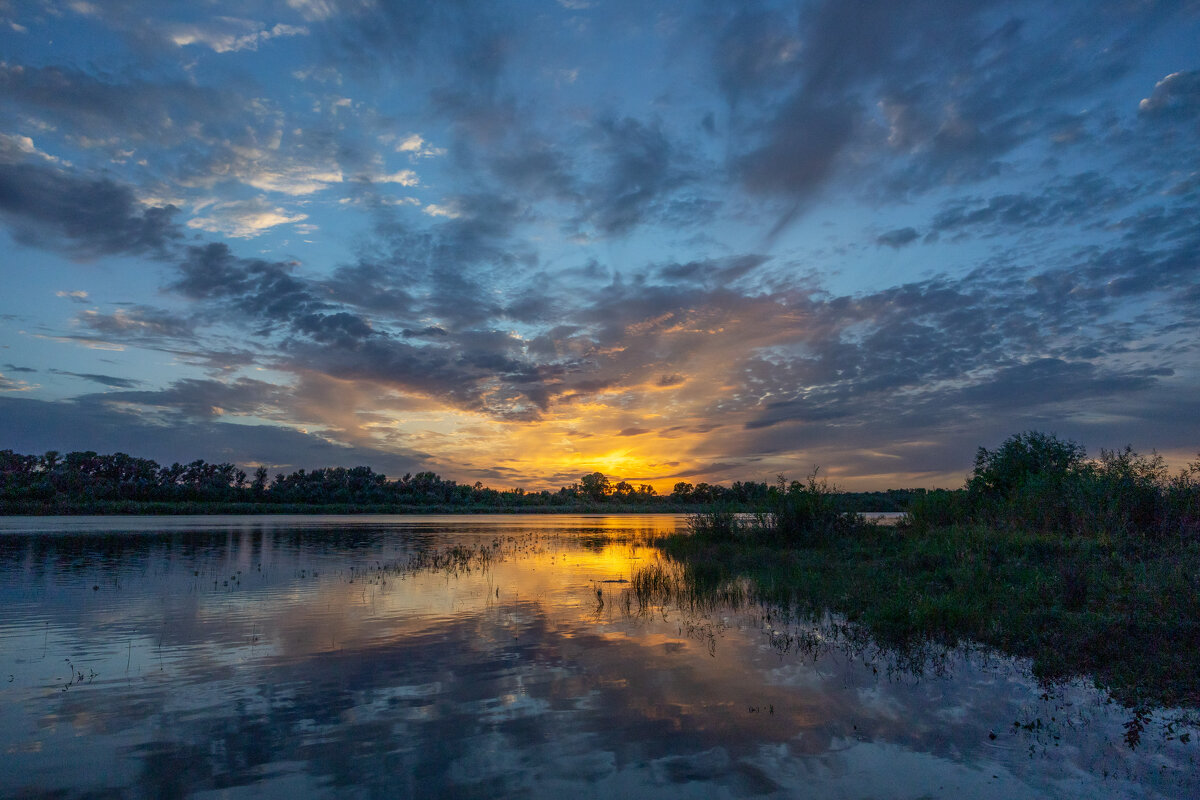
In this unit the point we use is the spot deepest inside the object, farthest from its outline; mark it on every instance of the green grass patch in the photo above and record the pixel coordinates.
(1125, 613)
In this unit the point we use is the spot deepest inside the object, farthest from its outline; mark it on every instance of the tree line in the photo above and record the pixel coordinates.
(86, 479)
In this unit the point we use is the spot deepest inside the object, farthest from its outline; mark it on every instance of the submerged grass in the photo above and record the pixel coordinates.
(1125, 613)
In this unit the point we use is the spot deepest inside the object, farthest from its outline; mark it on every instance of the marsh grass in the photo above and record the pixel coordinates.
(797, 513)
(1086, 567)
(696, 586)
(1123, 613)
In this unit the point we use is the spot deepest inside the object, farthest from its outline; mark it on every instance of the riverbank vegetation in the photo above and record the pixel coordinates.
(1086, 567)
(92, 483)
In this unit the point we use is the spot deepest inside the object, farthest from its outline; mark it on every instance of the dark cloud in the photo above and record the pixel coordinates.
(799, 149)
(634, 431)
(754, 50)
(898, 238)
(14, 368)
(429, 330)
(468, 43)
(1065, 201)
(87, 218)
(201, 398)
(1054, 380)
(713, 271)
(959, 87)
(642, 169)
(102, 107)
(93, 423)
(540, 169)
(104, 380)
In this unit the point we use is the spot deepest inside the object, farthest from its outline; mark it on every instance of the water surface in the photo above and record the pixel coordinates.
(493, 657)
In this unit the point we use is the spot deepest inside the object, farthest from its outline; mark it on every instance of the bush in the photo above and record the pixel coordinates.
(718, 522)
(939, 508)
(1038, 482)
(804, 513)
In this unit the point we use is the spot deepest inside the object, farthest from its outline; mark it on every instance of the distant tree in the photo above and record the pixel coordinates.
(595, 486)
(682, 493)
(623, 489)
(259, 484)
(1021, 459)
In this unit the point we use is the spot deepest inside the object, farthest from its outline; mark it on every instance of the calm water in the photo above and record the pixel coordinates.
(491, 657)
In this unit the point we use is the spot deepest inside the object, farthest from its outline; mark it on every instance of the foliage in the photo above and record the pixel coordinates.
(595, 486)
(718, 521)
(796, 513)
(938, 508)
(1126, 614)
(804, 513)
(1038, 482)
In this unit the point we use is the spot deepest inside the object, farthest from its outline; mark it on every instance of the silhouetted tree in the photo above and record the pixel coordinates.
(595, 486)
(682, 493)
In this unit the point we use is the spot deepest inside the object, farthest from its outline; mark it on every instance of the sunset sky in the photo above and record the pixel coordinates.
(516, 242)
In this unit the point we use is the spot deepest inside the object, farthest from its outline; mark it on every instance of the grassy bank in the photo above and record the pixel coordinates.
(1124, 614)
(1088, 568)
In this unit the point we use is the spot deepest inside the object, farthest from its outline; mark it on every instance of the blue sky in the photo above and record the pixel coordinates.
(517, 242)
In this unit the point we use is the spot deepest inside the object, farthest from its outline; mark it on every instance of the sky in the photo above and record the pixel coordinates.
(517, 242)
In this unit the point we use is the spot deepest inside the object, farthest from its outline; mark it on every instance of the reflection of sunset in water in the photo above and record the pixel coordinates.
(501, 655)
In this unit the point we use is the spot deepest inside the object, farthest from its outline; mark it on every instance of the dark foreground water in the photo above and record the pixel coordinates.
(493, 657)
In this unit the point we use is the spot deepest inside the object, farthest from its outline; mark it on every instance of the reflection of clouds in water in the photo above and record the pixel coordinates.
(336, 668)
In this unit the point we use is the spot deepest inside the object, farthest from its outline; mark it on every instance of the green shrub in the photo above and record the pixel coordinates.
(939, 508)
(718, 522)
(804, 513)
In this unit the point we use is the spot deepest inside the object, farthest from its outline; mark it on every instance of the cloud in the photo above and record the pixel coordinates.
(104, 380)
(101, 108)
(14, 149)
(898, 238)
(229, 34)
(405, 177)
(98, 423)
(1049, 381)
(717, 272)
(1176, 96)
(875, 94)
(137, 322)
(84, 217)
(414, 146)
(201, 398)
(255, 287)
(244, 219)
(198, 136)
(799, 149)
(1068, 200)
(642, 169)
(9, 385)
(448, 211)
(315, 10)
